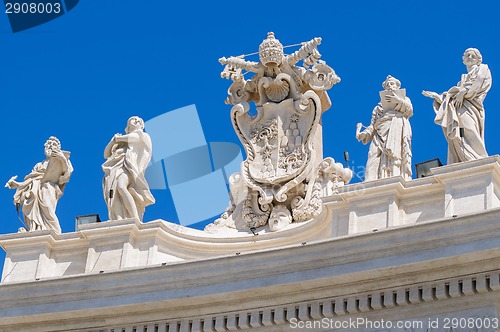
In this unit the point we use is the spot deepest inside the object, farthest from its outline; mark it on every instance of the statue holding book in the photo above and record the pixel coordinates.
(40, 190)
(390, 134)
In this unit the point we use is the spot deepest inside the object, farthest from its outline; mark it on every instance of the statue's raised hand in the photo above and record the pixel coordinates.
(431, 94)
(58, 154)
(11, 184)
(393, 98)
(360, 135)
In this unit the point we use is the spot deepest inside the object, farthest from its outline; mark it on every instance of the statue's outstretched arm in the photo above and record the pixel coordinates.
(433, 95)
(306, 50)
(367, 135)
(12, 183)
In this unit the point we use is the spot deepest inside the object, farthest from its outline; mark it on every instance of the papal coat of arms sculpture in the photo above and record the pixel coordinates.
(284, 175)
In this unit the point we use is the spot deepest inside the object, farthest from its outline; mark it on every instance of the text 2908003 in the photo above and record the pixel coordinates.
(32, 8)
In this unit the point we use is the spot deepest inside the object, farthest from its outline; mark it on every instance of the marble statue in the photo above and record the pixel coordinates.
(126, 191)
(281, 181)
(390, 134)
(40, 190)
(460, 111)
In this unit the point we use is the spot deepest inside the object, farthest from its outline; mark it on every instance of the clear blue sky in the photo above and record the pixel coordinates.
(82, 75)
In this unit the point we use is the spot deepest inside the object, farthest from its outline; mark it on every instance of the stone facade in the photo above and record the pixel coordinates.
(416, 252)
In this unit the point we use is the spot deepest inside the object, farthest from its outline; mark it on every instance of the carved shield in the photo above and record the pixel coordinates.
(278, 140)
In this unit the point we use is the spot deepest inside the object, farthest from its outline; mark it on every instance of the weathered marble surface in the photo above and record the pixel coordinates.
(40, 190)
(282, 178)
(389, 133)
(460, 110)
(125, 188)
(424, 262)
(455, 190)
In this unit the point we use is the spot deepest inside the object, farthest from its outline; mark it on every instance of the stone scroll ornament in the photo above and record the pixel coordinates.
(282, 179)
(41, 189)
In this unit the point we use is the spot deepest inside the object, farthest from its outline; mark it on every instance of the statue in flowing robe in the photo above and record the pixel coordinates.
(390, 134)
(125, 188)
(40, 191)
(460, 110)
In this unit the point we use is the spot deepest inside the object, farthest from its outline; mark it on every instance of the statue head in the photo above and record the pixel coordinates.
(280, 218)
(391, 83)
(51, 145)
(472, 56)
(134, 123)
(271, 51)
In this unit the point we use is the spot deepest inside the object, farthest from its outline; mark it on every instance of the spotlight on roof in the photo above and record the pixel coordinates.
(424, 168)
(87, 219)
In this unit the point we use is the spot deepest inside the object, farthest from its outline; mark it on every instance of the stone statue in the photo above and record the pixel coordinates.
(281, 179)
(126, 191)
(40, 191)
(390, 134)
(460, 110)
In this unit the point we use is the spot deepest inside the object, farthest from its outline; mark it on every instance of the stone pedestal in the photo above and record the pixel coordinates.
(453, 190)
(421, 251)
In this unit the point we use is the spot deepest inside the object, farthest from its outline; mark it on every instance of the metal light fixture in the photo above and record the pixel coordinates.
(424, 168)
(87, 219)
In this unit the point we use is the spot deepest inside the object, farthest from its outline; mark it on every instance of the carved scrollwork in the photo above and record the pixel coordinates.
(280, 174)
(237, 93)
(265, 132)
(321, 77)
(306, 208)
(291, 161)
(254, 214)
(333, 176)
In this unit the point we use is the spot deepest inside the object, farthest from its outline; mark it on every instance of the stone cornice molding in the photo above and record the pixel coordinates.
(430, 254)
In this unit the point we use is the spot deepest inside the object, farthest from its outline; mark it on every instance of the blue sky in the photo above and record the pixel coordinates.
(82, 75)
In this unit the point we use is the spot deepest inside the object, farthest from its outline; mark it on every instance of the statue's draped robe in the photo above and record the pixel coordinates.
(390, 149)
(470, 116)
(133, 163)
(38, 196)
